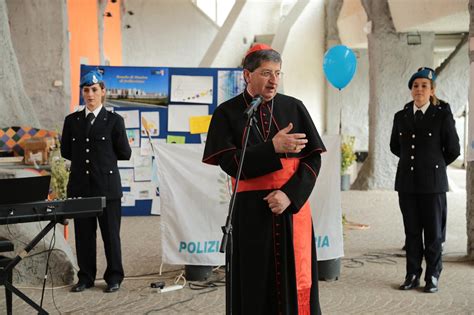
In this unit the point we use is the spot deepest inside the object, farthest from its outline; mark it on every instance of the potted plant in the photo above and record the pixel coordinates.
(347, 158)
(59, 173)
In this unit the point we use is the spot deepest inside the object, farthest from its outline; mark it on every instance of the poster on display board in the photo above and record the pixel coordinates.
(161, 104)
(133, 86)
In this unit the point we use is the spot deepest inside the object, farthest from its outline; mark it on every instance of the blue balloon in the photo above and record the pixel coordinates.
(339, 66)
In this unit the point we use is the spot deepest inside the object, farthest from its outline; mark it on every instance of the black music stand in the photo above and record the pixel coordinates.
(20, 190)
(6, 246)
(15, 260)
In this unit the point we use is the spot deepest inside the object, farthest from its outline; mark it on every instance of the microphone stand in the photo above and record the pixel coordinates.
(227, 238)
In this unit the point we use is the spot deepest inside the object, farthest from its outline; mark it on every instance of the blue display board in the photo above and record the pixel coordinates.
(162, 100)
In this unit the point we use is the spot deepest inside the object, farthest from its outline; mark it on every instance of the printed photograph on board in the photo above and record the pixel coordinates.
(133, 86)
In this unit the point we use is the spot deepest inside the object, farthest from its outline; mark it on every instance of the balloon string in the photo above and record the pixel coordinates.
(339, 103)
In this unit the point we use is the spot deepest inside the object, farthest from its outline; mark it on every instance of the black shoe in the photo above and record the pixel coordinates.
(431, 285)
(411, 281)
(112, 287)
(79, 287)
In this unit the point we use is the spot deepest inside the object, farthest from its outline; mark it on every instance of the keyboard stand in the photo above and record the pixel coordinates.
(15, 260)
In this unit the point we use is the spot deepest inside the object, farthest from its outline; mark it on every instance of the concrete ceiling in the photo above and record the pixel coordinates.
(439, 16)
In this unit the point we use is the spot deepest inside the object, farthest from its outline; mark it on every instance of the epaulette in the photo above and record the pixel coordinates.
(407, 105)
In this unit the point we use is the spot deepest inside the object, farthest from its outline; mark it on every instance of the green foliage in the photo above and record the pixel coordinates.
(347, 153)
(344, 219)
(59, 172)
(344, 222)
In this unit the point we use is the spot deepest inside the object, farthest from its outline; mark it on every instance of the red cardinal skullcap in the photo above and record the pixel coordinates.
(258, 47)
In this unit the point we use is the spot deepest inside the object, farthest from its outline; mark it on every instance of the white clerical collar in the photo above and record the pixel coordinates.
(423, 108)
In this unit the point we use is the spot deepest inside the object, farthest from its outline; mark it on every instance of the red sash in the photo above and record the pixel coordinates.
(302, 234)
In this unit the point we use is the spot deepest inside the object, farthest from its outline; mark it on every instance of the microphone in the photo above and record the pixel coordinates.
(257, 100)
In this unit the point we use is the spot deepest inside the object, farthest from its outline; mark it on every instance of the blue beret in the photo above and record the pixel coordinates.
(424, 73)
(91, 78)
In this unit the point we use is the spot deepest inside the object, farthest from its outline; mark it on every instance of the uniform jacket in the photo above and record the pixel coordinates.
(94, 170)
(442, 104)
(424, 149)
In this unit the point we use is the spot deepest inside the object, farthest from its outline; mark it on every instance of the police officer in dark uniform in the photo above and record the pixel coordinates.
(425, 139)
(93, 140)
(443, 105)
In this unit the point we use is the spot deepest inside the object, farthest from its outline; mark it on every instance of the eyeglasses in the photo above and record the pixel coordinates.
(268, 73)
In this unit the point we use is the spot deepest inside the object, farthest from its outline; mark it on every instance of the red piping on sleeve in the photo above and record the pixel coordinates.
(320, 150)
(237, 164)
(311, 169)
(212, 158)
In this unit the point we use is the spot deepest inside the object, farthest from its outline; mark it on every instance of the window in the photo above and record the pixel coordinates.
(216, 10)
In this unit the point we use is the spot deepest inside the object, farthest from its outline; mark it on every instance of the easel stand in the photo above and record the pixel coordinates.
(8, 268)
(226, 243)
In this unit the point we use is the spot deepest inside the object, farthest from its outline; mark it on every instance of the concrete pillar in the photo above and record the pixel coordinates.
(40, 40)
(15, 105)
(100, 21)
(347, 110)
(452, 84)
(34, 54)
(470, 199)
(391, 63)
(334, 104)
(470, 165)
(30, 271)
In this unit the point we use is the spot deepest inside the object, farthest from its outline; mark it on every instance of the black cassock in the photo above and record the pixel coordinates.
(264, 267)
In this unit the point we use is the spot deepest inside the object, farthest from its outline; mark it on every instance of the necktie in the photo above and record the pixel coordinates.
(418, 116)
(90, 117)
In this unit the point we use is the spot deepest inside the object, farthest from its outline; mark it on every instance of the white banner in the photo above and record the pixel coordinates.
(325, 201)
(195, 199)
(194, 203)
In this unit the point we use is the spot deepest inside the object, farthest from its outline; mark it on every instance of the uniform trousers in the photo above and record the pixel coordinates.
(422, 219)
(86, 244)
(444, 221)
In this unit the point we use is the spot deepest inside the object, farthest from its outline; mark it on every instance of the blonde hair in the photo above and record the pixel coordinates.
(433, 99)
(102, 85)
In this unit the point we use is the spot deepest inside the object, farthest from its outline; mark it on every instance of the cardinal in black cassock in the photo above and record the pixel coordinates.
(274, 265)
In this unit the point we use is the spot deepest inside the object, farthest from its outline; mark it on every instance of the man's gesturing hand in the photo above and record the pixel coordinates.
(285, 142)
(278, 201)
